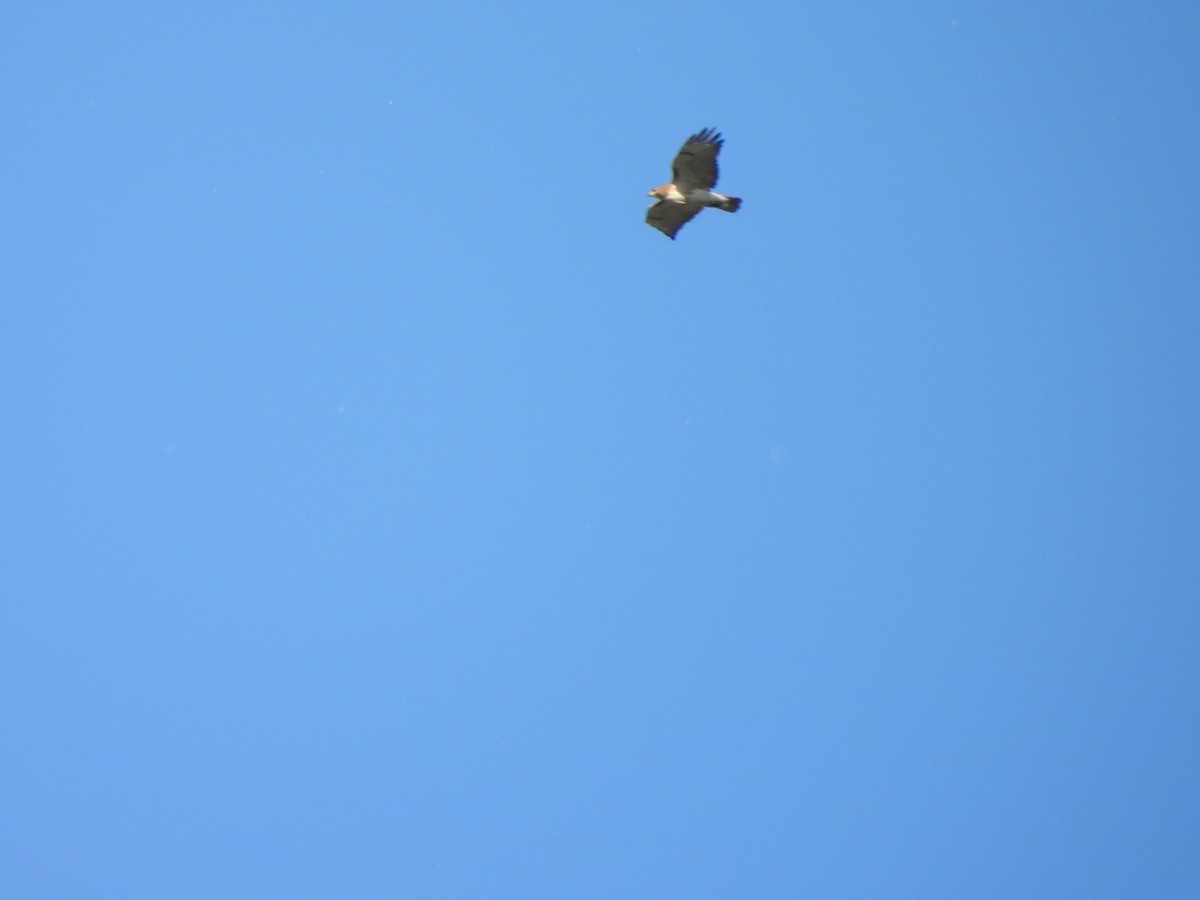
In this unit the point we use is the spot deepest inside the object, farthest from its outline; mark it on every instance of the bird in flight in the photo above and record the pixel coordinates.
(693, 174)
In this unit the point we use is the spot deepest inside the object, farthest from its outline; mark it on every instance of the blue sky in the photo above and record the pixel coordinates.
(389, 511)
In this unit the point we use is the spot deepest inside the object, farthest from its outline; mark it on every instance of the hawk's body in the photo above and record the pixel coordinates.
(693, 175)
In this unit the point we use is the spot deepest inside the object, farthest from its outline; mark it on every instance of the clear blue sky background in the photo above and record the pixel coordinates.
(388, 511)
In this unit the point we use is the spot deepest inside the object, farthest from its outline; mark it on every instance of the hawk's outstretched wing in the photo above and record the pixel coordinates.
(670, 217)
(695, 165)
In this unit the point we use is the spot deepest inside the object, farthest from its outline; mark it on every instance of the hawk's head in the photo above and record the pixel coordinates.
(669, 193)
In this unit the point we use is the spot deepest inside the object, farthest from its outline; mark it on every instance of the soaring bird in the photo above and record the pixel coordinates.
(693, 174)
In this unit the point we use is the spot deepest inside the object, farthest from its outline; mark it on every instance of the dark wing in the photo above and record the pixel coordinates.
(670, 217)
(695, 165)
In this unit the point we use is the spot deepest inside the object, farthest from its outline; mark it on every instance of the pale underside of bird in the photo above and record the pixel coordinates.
(693, 176)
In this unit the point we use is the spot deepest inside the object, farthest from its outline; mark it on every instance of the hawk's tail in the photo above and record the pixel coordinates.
(732, 204)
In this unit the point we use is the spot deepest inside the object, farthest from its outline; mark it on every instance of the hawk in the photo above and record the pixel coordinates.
(693, 174)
